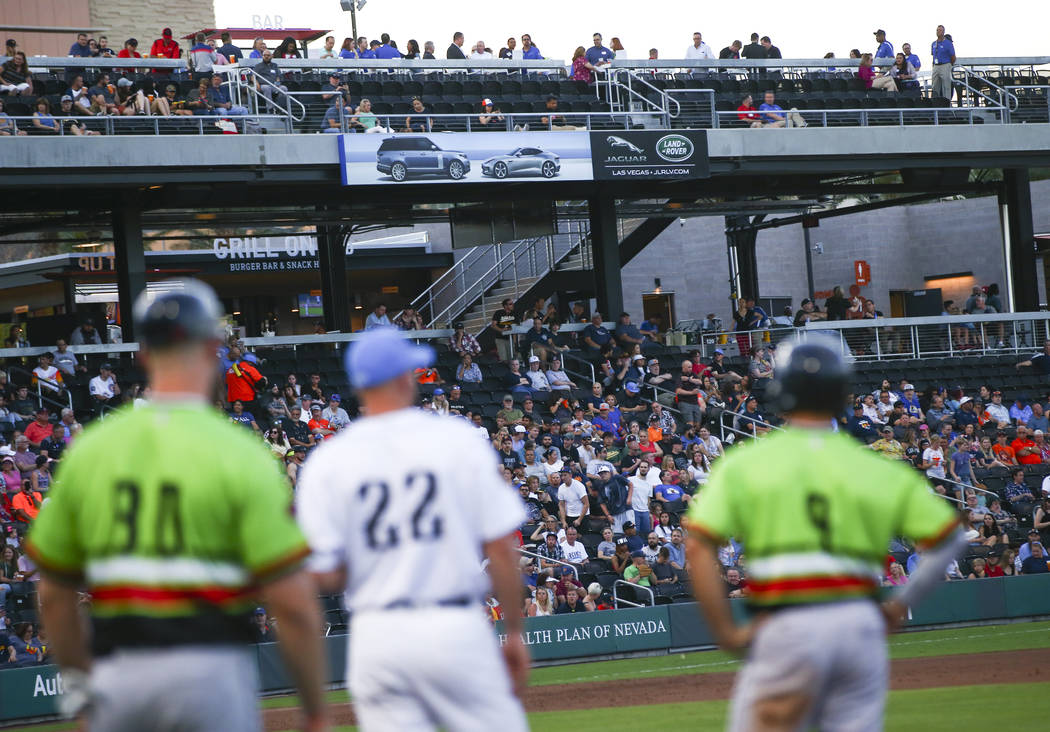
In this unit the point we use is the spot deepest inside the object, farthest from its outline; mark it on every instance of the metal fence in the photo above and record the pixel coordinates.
(899, 338)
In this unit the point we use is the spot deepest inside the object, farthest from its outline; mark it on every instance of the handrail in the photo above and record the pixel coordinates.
(40, 396)
(1005, 106)
(447, 279)
(248, 76)
(617, 599)
(881, 113)
(972, 487)
(570, 565)
(590, 366)
(112, 123)
(632, 77)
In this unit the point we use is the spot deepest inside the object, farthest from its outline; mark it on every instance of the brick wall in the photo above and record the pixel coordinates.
(144, 19)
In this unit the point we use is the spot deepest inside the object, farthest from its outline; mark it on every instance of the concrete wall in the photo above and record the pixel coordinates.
(902, 246)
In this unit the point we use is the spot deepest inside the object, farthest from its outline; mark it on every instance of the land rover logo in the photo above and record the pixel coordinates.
(674, 148)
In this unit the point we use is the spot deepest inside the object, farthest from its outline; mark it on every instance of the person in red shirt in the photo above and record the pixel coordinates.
(1025, 449)
(747, 113)
(165, 47)
(25, 505)
(242, 380)
(41, 429)
(1003, 452)
(319, 427)
(129, 50)
(992, 568)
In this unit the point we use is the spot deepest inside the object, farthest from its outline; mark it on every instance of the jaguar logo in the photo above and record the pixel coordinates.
(615, 141)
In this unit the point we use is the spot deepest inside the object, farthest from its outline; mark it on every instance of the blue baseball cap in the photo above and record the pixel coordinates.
(438, 392)
(383, 354)
(335, 398)
(631, 387)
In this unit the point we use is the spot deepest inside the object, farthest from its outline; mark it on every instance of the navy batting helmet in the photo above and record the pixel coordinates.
(810, 376)
(189, 312)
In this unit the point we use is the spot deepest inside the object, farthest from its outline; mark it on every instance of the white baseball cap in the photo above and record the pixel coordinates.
(519, 428)
(534, 359)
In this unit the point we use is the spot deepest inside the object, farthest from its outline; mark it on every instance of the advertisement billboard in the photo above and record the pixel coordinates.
(650, 154)
(458, 157)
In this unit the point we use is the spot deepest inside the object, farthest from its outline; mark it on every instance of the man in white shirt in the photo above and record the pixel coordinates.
(884, 404)
(377, 318)
(557, 378)
(574, 551)
(537, 379)
(335, 414)
(104, 387)
(479, 51)
(572, 500)
(699, 49)
(642, 483)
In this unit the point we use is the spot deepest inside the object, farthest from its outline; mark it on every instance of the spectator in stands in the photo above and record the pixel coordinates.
(772, 112)
(572, 550)
(808, 313)
(639, 571)
(748, 113)
(480, 52)
(627, 334)
(462, 342)
(104, 388)
(1004, 454)
(866, 72)
(509, 413)
(320, 427)
(335, 414)
(270, 84)
(1036, 563)
(238, 415)
(167, 47)
(539, 386)
(549, 551)
(755, 49)
(996, 412)
(943, 52)
(418, 124)
(25, 505)
(650, 327)
(47, 375)
(933, 460)
(859, 425)
(903, 73)
(938, 413)
(503, 320)
(43, 122)
(258, 46)
(81, 48)
(377, 318)
(910, 403)
(175, 105)
(242, 379)
(197, 99)
(911, 57)
(580, 68)
(507, 52)
(1041, 520)
(455, 50)
(39, 430)
(489, 115)
(287, 49)
(720, 371)
(528, 50)
(409, 319)
(885, 48)
(699, 49)
(573, 501)
(130, 49)
(333, 116)
(965, 414)
(771, 50)
(1040, 362)
(219, 99)
(598, 55)
(596, 339)
(990, 533)
(540, 340)
(557, 378)
(516, 381)
(732, 51)
(1025, 449)
(296, 429)
(468, 372)
(8, 128)
(233, 53)
(978, 569)
(1022, 502)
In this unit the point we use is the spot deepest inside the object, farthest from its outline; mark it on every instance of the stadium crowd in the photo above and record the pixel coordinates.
(64, 103)
(605, 469)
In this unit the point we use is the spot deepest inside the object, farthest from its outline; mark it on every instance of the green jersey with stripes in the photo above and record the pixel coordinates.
(171, 517)
(815, 511)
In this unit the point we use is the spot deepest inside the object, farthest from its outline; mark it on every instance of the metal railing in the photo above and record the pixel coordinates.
(54, 398)
(971, 84)
(534, 555)
(617, 600)
(866, 116)
(470, 279)
(154, 124)
(247, 80)
(909, 338)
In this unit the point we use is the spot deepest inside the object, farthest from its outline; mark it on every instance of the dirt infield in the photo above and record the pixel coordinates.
(912, 673)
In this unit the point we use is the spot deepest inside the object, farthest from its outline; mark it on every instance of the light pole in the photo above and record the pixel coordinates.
(353, 6)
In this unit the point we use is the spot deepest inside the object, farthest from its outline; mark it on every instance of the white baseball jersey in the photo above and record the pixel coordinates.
(405, 500)
(577, 553)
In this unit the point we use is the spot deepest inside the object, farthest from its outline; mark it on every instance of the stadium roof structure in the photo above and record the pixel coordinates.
(111, 182)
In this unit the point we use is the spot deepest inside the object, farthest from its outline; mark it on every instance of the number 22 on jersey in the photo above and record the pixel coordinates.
(383, 531)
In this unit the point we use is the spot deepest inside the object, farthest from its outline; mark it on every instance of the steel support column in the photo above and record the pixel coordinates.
(605, 242)
(1015, 202)
(331, 258)
(740, 240)
(129, 259)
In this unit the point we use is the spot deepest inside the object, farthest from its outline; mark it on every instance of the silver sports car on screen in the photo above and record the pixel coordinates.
(523, 161)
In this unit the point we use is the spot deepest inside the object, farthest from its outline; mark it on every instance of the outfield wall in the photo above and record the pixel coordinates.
(33, 692)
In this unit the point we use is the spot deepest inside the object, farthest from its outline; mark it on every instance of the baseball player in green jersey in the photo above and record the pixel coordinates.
(815, 512)
(175, 521)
